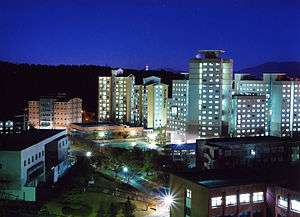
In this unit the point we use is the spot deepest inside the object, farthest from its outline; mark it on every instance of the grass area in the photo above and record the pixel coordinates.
(75, 199)
(87, 203)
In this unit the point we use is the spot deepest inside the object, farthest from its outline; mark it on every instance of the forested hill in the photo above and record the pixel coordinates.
(22, 82)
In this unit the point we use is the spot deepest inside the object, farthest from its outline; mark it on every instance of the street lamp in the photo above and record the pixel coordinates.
(88, 154)
(168, 202)
(125, 169)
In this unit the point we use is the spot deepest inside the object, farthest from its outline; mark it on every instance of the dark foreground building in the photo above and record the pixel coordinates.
(247, 152)
(238, 192)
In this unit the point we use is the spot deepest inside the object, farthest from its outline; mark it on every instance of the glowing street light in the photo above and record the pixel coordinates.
(168, 200)
(125, 169)
(88, 154)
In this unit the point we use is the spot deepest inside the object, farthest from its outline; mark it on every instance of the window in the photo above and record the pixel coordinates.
(216, 202)
(295, 206)
(188, 197)
(25, 163)
(282, 202)
(245, 198)
(43, 153)
(258, 197)
(231, 200)
(188, 193)
(0, 166)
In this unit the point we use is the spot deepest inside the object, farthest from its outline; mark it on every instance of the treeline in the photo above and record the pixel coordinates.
(22, 82)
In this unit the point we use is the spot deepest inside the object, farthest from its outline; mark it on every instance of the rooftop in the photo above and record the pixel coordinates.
(21, 141)
(211, 54)
(96, 124)
(249, 140)
(234, 177)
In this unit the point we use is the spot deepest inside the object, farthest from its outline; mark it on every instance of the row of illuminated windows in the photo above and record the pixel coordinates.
(211, 69)
(257, 116)
(244, 100)
(283, 203)
(248, 125)
(211, 64)
(252, 120)
(204, 123)
(251, 105)
(255, 85)
(252, 110)
(241, 135)
(247, 131)
(231, 200)
(204, 134)
(210, 112)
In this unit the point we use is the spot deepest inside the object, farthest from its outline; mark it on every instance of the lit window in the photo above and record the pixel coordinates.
(282, 202)
(295, 206)
(231, 200)
(216, 201)
(258, 197)
(188, 193)
(245, 198)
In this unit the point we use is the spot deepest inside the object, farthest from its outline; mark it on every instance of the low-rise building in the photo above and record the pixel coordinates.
(215, 194)
(23, 160)
(54, 112)
(274, 192)
(247, 152)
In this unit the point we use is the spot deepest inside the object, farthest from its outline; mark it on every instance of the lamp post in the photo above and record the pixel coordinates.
(125, 170)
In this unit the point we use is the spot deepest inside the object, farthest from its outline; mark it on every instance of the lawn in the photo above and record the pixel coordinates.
(77, 202)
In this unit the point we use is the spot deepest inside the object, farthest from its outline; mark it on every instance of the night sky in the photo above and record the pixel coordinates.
(161, 33)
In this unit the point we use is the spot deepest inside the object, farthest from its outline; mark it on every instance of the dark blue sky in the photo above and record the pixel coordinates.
(161, 33)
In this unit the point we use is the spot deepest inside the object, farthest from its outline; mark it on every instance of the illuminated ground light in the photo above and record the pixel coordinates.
(88, 154)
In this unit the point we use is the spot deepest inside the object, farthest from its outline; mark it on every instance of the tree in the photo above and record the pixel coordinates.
(128, 209)
(113, 210)
(161, 137)
(101, 211)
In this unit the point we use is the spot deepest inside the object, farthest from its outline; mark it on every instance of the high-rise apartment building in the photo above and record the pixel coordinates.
(282, 100)
(285, 108)
(248, 115)
(210, 91)
(177, 111)
(137, 106)
(104, 98)
(115, 97)
(155, 103)
(54, 112)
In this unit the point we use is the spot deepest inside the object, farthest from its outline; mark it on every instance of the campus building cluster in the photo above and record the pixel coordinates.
(212, 104)
(54, 112)
(121, 100)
